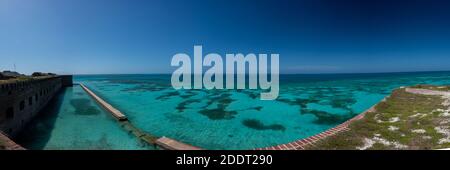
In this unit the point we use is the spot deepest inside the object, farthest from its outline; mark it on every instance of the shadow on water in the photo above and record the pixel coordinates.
(37, 133)
(84, 107)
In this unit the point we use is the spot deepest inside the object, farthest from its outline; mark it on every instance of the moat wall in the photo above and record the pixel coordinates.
(21, 101)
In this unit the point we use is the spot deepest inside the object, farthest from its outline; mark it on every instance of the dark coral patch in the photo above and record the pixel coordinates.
(258, 125)
(79, 93)
(343, 102)
(182, 105)
(84, 107)
(251, 94)
(327, 118)
(225, 101)
(218, 114)
(258, 108)
(185, 94)
(304, 102)
(324, 117)
(300, 102)
(168, 95)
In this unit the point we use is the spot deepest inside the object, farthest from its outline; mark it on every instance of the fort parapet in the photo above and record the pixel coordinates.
(21, 100)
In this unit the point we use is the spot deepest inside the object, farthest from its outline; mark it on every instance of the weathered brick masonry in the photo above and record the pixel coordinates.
(20, 101)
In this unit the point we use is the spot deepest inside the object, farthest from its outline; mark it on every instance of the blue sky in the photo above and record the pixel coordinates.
(311, 36)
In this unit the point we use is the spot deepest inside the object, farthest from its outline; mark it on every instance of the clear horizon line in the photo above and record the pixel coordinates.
(387, 72)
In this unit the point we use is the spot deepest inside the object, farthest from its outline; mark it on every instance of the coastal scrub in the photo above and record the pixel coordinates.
(405, 120)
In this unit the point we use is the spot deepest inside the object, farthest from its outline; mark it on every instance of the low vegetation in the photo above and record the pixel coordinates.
(23, 79)
(14, 77)
(403, 121)
(431, 87)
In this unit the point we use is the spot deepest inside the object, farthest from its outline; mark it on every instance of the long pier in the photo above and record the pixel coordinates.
(171, 144)
(162, 142)
(116, 113)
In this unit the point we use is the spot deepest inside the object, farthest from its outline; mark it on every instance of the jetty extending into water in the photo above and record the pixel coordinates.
(116, 113)
(162, 142)
(171, 144)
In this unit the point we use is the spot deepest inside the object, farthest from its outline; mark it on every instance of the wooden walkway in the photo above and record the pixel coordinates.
(116, 113)
(170, 144)
(163, 142)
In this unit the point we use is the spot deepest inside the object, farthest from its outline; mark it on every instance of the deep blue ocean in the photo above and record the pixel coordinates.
(211, 119)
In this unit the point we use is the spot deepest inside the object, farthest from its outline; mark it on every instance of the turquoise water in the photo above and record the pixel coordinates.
(229, 119)
(74, 121)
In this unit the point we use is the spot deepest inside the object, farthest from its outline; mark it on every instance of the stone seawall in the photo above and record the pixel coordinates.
(8, 144)
(21, 100)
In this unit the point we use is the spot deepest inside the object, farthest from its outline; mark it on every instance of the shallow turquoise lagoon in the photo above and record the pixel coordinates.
(74, 121)
(228, 119)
